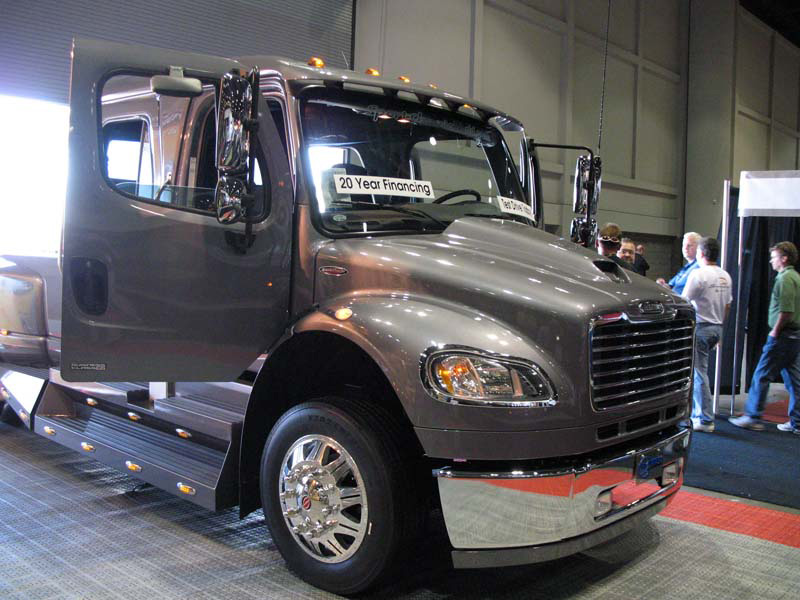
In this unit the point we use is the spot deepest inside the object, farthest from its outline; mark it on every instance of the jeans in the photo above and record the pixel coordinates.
(707, 335)
(780, 355)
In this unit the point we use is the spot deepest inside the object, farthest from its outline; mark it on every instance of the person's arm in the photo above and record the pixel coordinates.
(693, 287)
(783, 319)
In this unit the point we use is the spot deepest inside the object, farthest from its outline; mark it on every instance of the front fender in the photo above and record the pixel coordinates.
(396, 330)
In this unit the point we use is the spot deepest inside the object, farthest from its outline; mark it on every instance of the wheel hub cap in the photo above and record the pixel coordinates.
(323, 498)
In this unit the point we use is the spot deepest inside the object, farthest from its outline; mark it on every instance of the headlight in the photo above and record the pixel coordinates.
(471, 378)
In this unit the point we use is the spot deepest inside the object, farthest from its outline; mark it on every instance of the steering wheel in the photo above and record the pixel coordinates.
(464, 192)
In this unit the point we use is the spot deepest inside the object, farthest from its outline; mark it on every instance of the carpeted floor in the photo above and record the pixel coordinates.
(751, 464)
(72, 528)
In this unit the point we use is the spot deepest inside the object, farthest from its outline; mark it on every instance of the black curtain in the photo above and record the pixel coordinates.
(759, 234)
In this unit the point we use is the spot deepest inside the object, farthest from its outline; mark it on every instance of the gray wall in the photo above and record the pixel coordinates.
(36, 36)
(542, 60)
(744, 105)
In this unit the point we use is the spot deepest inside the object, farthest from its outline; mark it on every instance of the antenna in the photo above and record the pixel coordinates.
(347, 64)
(603, 93)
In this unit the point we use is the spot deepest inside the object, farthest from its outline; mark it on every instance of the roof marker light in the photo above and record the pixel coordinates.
(372, 71)
(404, 79)
(433, 86)
(316, 61)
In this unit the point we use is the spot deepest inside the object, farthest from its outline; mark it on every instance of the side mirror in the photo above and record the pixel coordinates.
(234, 111)
(175, 84)
(597, 182)
(229, 198)
(583, 232)
(580, 192)
(586, 193)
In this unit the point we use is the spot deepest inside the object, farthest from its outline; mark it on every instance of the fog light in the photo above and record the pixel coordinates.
(603, 504)
(671, 473)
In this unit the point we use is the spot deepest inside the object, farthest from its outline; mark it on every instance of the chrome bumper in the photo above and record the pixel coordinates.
(534, 516)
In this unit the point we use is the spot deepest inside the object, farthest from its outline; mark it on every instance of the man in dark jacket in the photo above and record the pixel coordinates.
(639, 262)
(609, 239)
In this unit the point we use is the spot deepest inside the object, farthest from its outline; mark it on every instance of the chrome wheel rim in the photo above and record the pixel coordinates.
(323, 498)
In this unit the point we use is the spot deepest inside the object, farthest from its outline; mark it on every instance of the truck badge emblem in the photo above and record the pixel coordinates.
(651, 308)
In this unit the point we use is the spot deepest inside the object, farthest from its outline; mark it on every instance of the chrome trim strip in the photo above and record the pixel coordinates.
(636, 379)
(603, 361)
(637, 333)
(633, 369)
(642, 344)
(557, 472)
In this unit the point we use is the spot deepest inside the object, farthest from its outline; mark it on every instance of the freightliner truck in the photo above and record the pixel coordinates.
(330, 296)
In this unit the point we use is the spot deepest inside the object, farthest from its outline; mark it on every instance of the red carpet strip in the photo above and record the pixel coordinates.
(763, 523)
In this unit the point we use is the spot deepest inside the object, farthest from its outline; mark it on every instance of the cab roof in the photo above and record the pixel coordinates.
(293, 70)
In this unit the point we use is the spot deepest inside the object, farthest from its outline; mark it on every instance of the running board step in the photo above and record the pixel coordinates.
(203, 475)
(218, 413)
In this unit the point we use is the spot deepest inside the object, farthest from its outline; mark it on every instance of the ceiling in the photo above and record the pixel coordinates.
(782, 15)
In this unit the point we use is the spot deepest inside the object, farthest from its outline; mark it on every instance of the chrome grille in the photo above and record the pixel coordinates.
(634, 362)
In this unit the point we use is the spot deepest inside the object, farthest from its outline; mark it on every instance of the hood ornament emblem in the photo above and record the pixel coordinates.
(651, 307)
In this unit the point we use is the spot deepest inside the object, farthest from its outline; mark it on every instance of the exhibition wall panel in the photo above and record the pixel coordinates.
(744, 105)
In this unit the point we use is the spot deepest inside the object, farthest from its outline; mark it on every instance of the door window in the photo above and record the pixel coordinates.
(142, 155)
(129, 155)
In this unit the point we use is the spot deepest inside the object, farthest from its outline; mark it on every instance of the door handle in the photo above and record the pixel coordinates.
(89, 278)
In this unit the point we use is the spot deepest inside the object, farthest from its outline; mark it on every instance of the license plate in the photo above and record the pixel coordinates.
(649, 465)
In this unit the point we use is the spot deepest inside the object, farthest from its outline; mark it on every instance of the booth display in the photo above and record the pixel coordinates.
(772, 194)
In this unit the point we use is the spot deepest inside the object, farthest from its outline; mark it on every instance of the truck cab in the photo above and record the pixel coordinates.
(330, 295)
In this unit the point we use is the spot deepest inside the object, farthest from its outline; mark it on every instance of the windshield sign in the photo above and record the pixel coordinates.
(389, 165)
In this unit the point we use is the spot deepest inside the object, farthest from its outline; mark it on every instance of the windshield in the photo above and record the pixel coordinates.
(382, 164)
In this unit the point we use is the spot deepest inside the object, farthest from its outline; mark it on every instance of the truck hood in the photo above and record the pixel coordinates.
(494, 265)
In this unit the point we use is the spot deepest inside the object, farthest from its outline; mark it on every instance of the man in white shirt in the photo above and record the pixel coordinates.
(708, 288)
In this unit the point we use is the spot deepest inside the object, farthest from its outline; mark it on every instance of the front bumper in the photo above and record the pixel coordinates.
(521, 517)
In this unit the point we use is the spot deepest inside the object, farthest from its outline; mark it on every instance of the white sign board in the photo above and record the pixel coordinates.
(390, 186)
(514, 207)
(769, 194)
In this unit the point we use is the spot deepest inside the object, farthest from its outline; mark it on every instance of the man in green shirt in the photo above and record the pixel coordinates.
(781, 353)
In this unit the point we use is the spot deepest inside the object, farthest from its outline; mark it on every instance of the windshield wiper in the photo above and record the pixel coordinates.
(398, 209)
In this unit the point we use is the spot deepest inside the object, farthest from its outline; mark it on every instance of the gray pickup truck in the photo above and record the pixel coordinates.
(330, 295)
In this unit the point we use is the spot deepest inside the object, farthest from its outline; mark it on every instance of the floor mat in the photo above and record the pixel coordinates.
(762, 465)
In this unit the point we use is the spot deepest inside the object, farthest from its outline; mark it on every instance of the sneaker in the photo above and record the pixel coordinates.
(698, 425)
(789, 427)
(747, 422)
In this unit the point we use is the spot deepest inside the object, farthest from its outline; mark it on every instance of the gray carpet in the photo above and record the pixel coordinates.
(71, 528)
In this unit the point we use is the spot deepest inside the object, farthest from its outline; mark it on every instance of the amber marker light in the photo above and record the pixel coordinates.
(433, 86)
(373, 71)
(343, 314)
(3, 331)
(316, 61)
(186, 489)
(404, 79)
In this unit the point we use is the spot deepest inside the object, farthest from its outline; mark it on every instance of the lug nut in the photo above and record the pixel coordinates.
(291, 512)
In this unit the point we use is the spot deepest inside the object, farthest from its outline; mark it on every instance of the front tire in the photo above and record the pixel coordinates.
(337, 487)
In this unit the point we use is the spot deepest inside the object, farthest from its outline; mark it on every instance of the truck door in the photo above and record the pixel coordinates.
(155, 288)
